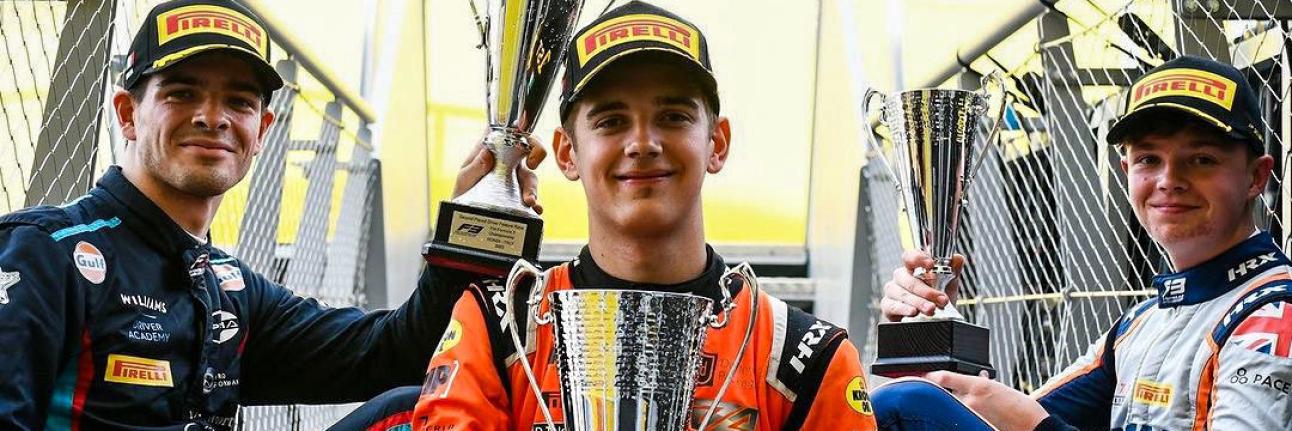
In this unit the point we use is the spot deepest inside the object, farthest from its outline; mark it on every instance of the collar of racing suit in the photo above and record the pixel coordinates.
(584, 273)
(1229, 270)
(141, 215)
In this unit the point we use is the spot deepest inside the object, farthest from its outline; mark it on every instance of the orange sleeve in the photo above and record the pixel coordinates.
(842, 401)
(462, 390)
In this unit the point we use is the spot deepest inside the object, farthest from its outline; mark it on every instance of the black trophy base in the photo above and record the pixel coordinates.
(482, 241)
(916, 348)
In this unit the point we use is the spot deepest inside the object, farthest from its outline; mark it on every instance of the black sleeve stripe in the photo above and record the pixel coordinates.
(810, 383)
(499, 343)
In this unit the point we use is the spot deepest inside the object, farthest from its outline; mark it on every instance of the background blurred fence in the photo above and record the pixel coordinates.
(1056, 254)
(303, 216)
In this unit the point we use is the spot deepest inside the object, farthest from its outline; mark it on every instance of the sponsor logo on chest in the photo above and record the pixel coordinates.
(145, 302)
(229, 276)
(133, 370)
(90, 262)
(1152, 393)
(224, 325)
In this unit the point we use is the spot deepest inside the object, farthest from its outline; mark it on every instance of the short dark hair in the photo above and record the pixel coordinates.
(1165, 122)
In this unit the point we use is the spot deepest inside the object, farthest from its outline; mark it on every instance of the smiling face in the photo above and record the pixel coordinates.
(1192, 189)
(641, 139)
(195, 127)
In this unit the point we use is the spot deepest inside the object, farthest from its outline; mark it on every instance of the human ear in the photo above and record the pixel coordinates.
(721, 139)
(563, 147)
(124, 107)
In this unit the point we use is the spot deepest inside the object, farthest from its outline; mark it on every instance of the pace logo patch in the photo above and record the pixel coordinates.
(7, 280)
(629, 28)
(133, 370)
(198, 19)
(89, 260)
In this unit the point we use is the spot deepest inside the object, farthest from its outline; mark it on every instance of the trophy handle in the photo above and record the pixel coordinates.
(746, 274)
(523, 268)
(995, 129)
(482, 24)
(873, 143)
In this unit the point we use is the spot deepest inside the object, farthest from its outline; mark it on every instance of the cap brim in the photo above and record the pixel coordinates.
(268, 75)
(1119, 129)
(710, 84)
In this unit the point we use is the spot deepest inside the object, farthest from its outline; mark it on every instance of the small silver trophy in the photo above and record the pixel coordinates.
(488, 228)
(936, 153)
(627, 359)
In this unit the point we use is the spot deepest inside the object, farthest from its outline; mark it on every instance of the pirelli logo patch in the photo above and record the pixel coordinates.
(1197, 84)
(198, 19)
(637, 27)
(1152, 393)
(133, 370)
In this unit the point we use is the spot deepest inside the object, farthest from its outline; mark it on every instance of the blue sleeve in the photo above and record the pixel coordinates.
(300, 351)
(1082, 394)
(39, 328)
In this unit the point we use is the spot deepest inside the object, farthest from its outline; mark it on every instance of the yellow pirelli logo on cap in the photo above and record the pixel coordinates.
(138, 371)
(1197, 84)
(1152, 393)
(198, 19)
(639, 27)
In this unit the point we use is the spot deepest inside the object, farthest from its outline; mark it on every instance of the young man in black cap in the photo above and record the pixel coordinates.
(119, 314)
(1211, 351)
(641, 131)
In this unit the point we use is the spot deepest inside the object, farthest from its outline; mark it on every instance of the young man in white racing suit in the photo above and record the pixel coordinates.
(1211, 350)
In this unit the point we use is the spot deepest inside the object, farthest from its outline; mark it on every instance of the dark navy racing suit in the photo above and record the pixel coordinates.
(112, 317)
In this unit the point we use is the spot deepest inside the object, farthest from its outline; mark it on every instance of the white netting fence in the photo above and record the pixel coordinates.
(301, 215)
(1056, 253)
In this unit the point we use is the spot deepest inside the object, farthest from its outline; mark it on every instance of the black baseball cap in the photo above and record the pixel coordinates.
(635, 28)
(178, 30)
(1213, 92)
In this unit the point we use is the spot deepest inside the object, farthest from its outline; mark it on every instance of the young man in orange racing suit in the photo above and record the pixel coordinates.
(641, 131)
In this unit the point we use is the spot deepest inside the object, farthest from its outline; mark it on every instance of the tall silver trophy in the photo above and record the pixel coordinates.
(627, 359)
(488, 228)
(936, 151)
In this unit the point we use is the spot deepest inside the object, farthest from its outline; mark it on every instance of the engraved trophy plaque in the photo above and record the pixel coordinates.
(935, 155)
(488, 228)
(627, 359)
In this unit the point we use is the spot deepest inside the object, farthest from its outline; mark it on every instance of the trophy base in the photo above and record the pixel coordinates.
(916, 348)
(482, 241)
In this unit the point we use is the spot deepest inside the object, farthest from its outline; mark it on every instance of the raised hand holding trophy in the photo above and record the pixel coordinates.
(488, 228)
(936, 153)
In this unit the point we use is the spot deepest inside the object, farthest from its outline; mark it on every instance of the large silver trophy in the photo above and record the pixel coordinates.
(488, 228)
(935, 154)
(627, 359)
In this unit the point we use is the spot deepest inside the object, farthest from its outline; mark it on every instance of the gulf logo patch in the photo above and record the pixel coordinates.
(89, 260)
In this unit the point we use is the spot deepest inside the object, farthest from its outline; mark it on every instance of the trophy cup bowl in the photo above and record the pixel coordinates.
(488, 228)
(627, 359)
(935, 155)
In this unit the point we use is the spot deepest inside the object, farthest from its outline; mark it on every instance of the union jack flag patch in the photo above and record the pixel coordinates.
(1267, 330)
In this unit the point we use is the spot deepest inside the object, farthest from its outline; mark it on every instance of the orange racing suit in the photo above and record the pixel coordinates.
(799, 372)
